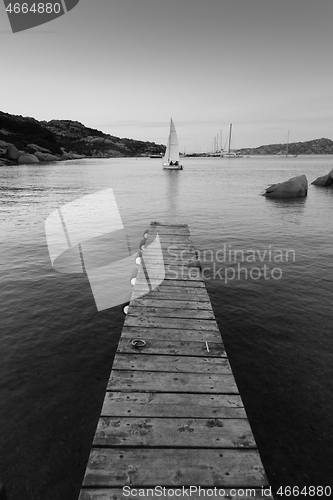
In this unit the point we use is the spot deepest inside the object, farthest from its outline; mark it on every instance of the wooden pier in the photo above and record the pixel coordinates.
(172, 415)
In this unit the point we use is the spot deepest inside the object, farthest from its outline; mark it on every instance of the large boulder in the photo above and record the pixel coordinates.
(325, 180)
(71, 156)
(5, 162)
(27, 158)
(296, 187)
(12, 152)
(45, 156)
(39, 148)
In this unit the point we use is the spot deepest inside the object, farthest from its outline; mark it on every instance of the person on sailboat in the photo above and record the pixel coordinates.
(171, 163)
(176, 163)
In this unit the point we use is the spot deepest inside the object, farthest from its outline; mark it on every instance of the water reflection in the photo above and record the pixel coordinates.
(172, 194)
(287, 210)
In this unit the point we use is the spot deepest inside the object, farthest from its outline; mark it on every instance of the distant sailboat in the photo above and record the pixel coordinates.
(286, 152)
(287, 149)
(171, 156)
(229, 153)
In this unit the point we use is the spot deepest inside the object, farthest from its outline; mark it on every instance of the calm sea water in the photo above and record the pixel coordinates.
(57, 350)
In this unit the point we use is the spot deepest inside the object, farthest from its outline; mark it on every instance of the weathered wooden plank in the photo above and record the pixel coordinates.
(176, 284)
(122, 380)
(171, 266)
(170, 272)
(135, 410)
(152, 262)
(170, 233)
(173, 252)
(156, 226)
(168, 312)
(163, 232)
(181, 493)
(159, 404)
(193, 294)
(192, 288)
(170, 252)
(131, 332)
(206, 401)
(186, 324)
(182, 284)
(177, 432)
(175, 237)
(147, 301)
(174, 347)
(169, 228)
(176, 240)
(172, 467)
(172, 245)
(176, 259)
(185, 364)
(166, 225)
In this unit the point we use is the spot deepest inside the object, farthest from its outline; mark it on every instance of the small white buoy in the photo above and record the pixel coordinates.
(125, 309)
(134, 274)
(138, 261)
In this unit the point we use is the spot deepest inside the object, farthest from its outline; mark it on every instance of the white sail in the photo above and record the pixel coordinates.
(172, 149)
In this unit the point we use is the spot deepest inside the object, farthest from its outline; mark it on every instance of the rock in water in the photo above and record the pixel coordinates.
(296, 187)
(325, 180)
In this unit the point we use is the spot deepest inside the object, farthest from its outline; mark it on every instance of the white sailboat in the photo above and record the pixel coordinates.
(286, 151)
(171, 156)
(229, 153)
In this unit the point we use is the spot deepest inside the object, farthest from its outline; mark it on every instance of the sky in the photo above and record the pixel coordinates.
(126, 66)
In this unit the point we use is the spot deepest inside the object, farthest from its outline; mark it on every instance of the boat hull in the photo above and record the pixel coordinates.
(231, 155)
(172, 167)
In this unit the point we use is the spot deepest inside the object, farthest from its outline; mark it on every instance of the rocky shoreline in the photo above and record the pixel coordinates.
(24, 140)
(11, 155)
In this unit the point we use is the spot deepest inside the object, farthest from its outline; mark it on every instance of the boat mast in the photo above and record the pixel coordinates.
(287, 143)
(229, 137)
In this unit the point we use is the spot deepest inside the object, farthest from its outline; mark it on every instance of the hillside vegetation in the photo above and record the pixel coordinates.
(316, 146)
(26, 140)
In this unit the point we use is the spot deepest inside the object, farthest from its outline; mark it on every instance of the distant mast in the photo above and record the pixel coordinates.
(229, 137)
(287, 143)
